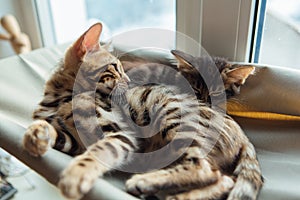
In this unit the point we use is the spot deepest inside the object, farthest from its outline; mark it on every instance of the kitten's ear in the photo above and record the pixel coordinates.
(239, 74)
(184, 60)
(89, 41)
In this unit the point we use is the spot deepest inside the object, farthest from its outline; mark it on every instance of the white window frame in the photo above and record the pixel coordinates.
(223, 28)
(45, 22)
(30, 22)
(220, 29)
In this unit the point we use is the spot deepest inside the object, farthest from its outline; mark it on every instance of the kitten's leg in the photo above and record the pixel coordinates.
(39, 137)
(192, 172)
(79, 177)
(214, 191)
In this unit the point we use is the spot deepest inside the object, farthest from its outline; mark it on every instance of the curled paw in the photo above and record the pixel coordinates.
(37, 137)
(139, 184)
(77, 179)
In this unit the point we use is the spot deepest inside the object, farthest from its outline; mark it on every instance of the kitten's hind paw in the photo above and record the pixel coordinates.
(37, 137)
(138, 185)
(213, 191)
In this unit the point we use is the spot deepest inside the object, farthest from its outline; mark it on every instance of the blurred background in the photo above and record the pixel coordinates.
(261, 31)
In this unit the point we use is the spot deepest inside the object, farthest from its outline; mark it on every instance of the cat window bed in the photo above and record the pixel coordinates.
(268, 110)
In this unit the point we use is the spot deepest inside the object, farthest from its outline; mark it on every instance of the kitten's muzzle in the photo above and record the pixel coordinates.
(123, 83)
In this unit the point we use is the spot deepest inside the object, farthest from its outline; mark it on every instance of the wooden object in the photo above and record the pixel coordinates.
(20, 42)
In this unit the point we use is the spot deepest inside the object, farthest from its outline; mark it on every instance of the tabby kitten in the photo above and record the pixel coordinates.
(186, 73)
(233, 75)
(214, 158)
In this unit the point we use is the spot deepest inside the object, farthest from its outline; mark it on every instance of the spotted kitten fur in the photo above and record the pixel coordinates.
(214, 159)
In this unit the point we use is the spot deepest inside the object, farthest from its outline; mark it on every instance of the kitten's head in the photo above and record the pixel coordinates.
(233, 76)
(92, 65)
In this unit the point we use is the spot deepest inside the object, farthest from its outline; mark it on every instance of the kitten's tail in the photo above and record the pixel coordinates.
(249, 179)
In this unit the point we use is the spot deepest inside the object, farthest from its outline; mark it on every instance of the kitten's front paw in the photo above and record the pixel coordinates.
(37, 137)
(139, 184)
(78, 178)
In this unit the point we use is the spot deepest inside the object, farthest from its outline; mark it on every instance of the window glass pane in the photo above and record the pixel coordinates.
(117, 16)
(67, 24)
(281, 34)
(120, 15)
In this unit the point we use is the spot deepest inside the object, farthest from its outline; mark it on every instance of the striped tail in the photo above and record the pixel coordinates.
(249, 179)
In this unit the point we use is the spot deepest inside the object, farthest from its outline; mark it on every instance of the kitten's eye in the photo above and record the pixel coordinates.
(106, 78)
(237, 85)
(226, 70)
